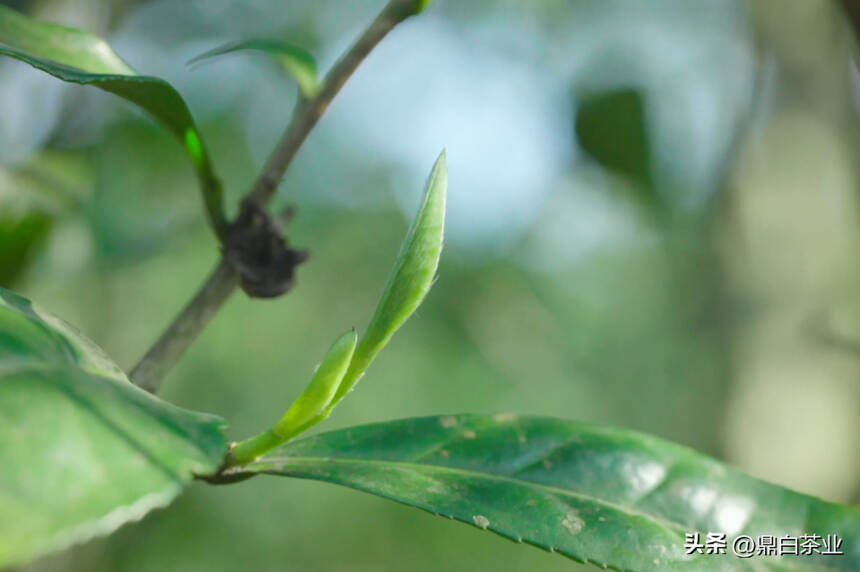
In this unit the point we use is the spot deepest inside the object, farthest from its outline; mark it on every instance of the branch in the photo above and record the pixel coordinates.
(309, 113)
(185, 328)
(188, 325)
(852, 13)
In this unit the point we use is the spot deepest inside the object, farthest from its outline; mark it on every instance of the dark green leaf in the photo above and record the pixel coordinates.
(293, 59)
(77, 57)
(21, 234)
(607, 496)
(82, 450)
(611, 127)
(31, 200)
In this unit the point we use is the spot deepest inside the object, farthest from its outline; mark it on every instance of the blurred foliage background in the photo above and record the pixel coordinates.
(653, 224)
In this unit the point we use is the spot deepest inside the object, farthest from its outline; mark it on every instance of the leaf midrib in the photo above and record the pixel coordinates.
(472, 473)
(13, 367)
(782, 563)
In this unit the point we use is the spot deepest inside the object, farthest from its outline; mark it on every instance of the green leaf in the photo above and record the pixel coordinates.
(612, 128)
(410, 281)
(294, 60)
(77, 57)
(82, 450)
(31, 201)
(310, 407)
(21, 234)
(606, 496)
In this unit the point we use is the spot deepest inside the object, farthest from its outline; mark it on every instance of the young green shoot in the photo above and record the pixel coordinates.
(310, 407)
(410, 281)
(348, 359)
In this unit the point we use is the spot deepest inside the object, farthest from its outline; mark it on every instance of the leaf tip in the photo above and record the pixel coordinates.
(347, 340)
(437, 189)
(419, 6)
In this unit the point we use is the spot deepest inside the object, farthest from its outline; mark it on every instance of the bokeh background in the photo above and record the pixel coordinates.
(653, 224)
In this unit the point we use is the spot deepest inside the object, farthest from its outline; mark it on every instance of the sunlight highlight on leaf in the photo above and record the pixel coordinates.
(194, 147)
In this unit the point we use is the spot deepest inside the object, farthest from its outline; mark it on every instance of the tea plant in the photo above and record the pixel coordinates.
(84, 447)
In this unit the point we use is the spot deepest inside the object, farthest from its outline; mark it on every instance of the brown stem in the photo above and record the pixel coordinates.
(185, 328)
(217, 289)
